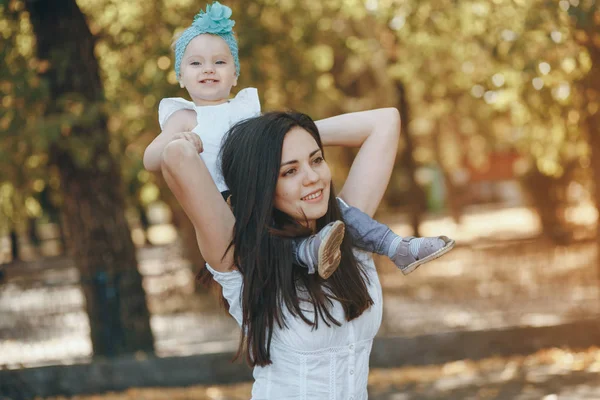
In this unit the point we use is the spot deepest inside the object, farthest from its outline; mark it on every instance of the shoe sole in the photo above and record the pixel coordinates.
(449, 246)
(328, 263)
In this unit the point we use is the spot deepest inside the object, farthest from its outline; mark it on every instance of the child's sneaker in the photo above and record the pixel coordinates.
(321, 249)
(429, 249)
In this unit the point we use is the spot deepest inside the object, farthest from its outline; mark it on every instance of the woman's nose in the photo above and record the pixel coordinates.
(311, 176)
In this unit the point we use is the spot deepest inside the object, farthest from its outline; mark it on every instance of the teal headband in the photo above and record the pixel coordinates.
(214, 21)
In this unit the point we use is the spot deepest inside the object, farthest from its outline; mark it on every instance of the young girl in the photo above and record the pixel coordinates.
(207, 66)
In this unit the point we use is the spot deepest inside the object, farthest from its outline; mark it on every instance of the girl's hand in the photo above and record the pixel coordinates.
(192, 138)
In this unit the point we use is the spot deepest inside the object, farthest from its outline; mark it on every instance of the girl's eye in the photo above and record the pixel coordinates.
(195, 63)
(220, 62)
(289, 172)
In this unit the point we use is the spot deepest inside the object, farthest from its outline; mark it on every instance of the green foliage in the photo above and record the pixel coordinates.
(22, 148)
(479, 75)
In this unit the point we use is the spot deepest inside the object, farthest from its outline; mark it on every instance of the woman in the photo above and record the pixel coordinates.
(306, 338)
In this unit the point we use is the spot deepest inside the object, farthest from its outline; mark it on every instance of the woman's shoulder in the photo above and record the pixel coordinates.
(231, 283)
(176, 107)
(233, 275)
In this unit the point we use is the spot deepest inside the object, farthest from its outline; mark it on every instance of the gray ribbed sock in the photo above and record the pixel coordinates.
(370, 235)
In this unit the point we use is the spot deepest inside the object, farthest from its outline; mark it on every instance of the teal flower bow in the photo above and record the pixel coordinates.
(215, 20)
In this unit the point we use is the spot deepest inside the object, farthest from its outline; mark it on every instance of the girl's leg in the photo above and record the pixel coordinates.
(407, 253)
(320, 251)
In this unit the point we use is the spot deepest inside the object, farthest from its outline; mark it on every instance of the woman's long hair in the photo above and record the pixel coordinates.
(250, 160)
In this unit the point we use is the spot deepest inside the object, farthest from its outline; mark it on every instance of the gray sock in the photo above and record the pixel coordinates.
(371, 235)
(301, 251)
(413, 245)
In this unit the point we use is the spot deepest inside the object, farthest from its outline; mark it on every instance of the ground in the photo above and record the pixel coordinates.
(551, 374)
(501, 274)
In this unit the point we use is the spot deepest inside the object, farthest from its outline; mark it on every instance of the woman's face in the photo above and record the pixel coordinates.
(304, 178)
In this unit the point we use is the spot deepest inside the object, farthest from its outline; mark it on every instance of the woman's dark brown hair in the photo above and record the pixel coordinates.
(250, 159)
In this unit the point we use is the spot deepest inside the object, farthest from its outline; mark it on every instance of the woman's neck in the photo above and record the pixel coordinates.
(312, 225)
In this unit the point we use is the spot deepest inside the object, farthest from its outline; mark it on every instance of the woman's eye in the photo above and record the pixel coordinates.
(318, 160)
(289, 172)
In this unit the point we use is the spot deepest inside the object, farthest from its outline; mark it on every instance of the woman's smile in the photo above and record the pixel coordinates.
(314, 197)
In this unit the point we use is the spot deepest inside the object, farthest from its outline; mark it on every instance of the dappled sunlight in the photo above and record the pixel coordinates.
(44, 321)
(479, 285)
(585, 214)
(65, 349)
(545, 375)
(41, 299)
(190, 333)
(550, 374)
(161, 234)
(489, 284)
(48, 325)
(499, 110)
(494, 224)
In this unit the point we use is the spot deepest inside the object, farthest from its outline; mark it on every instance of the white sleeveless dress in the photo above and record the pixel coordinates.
(213, 122)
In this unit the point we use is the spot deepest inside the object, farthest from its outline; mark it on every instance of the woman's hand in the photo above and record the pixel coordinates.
(376, 132)
(192, 138)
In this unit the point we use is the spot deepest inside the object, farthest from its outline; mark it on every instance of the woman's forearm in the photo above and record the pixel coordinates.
(377, 133)
(189, 179)
(352, 129)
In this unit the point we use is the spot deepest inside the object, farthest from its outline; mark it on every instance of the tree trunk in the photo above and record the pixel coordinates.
(101, 242)
(548, 195)
(452, 199)
(593, 127)
(14, 245)
(586, 19)
(407, 160)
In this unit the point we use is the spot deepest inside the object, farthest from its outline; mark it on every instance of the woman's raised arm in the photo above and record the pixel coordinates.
(376, 132)
(191, 183)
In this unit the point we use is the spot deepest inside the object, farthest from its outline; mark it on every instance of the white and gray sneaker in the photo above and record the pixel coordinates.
(321, 251)
(429, 249)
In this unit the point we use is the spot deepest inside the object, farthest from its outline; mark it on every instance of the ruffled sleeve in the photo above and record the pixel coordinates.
(232, 283)
(246, 103)
(169, 105)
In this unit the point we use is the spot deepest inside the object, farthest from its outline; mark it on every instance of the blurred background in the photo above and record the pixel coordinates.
(500, 149)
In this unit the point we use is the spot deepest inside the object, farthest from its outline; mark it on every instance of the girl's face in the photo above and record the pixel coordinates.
(304, 181)
(207, 70)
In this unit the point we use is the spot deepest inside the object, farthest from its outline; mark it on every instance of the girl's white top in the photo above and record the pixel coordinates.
(328, 363)
(213, 122)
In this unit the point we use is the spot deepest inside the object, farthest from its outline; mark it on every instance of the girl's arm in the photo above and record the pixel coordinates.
(180, 121)
(191, 183)
(376, 132)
